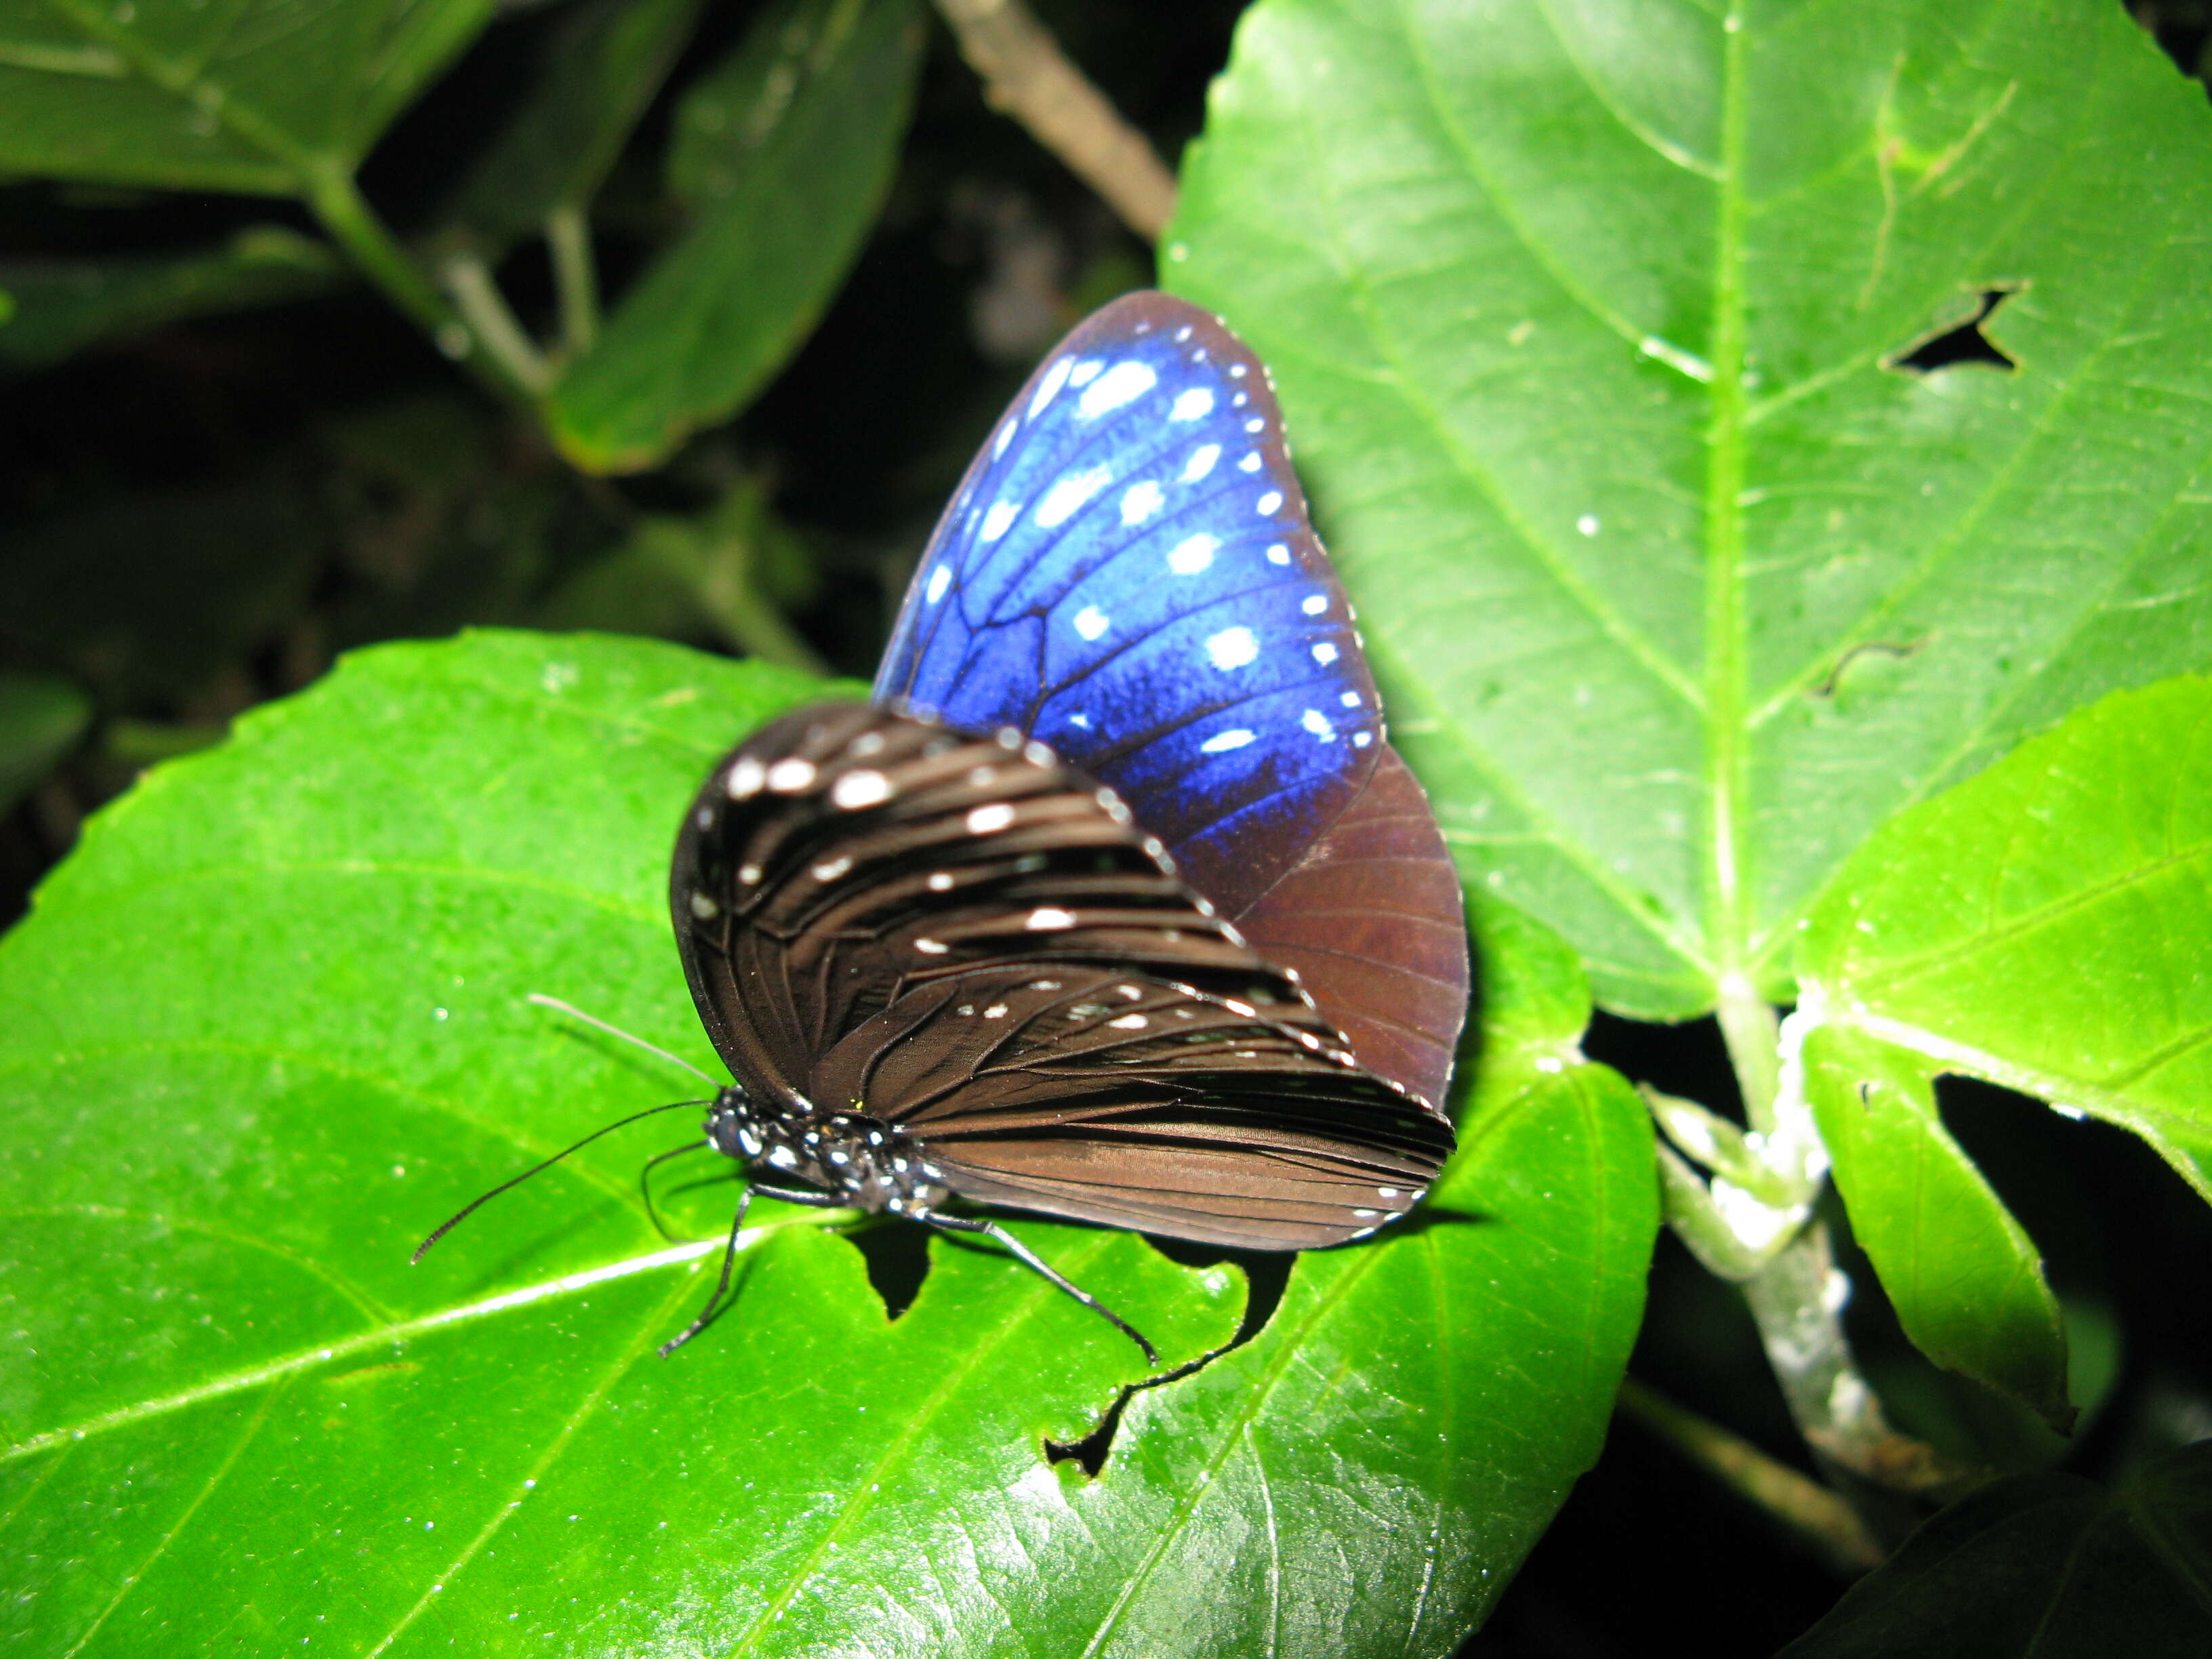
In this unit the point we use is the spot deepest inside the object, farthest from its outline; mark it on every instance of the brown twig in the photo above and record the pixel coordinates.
(1806, 1507)
(1026, 76)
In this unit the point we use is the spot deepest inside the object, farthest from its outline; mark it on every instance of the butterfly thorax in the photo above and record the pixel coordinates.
(869, 1164)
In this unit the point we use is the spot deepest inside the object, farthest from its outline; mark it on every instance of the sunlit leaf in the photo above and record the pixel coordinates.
(1587, 315)
(266, 1027)
(2042, 925)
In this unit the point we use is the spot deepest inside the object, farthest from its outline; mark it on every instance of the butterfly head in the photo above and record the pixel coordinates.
(733, 1127)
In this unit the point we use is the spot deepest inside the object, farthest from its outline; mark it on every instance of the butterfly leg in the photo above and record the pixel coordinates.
(957, 1223)
(789, 1195)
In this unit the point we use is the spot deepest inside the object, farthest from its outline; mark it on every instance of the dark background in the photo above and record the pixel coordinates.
(212, 510)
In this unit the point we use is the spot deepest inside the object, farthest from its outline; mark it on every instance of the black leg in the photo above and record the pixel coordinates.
(729, 1254)
(790, 1195)
(956, 1223)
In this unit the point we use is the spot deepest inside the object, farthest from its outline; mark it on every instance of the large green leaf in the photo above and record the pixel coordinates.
(2043, 1566)
(62, 306)
(266, 1026)
(2043, 924)
(260, 95)
(783, 152)
(1584, 314)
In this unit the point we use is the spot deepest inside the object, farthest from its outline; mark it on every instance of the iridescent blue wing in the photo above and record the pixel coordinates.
(1127, 573)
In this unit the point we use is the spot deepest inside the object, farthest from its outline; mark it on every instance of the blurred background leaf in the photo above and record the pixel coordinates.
(262, 97)
(40, 719)
(62, 308)
(783, 156)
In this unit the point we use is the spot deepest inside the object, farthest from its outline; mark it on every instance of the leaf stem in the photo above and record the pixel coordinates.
(1754, 1035)
(575, 278)
(356, 227)
(484, 309)
(1801, 1504)
(1797, 1303)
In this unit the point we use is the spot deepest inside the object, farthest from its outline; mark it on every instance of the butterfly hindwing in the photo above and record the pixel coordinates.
(971, 939)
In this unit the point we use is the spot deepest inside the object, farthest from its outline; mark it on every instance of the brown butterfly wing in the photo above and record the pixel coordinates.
(968, 938)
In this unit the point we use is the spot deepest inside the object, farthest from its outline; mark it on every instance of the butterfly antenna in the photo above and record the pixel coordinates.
(644, 1182)
(570, 1008)
(474, 1204)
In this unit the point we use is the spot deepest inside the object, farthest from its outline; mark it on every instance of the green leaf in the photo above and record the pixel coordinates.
(266, 96)
(1583, 312)
(2041, 925)
(784, 151)
(40, 719)
(61, 308)
(2043, 1565)
(601, 66)
(266, 1027)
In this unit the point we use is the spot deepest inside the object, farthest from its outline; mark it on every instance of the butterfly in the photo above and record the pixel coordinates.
(1114, 904)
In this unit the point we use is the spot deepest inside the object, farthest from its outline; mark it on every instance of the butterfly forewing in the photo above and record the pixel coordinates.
(971, 939)
(1128, 572)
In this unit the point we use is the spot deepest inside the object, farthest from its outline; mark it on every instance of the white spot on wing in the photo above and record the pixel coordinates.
(1192, 405)
(989, 820)
(1046, 919)
(1140, 502)
(1319, 724)
(1193, 555)
(1068, 494)
(858, 789)
(1048, 388)
(1129, 1022)
(1201, 463)
(1233, 647)
(1315, 605)
(1123, 383)
(1222, 742)
(940, 580)
(1250, 463)
(930, 947)
(1085, 371)
(790, 775)
(1270, 501)
(745, 779)
(1278, 554)
(1000, 520)
(1090, 622)
(1324, 653)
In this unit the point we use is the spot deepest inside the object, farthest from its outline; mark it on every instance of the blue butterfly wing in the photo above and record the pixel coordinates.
(1127, 573)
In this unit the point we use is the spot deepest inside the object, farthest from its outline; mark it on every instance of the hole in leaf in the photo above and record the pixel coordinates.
(1965, 344)
(1266, 1272)
(897, 1257)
